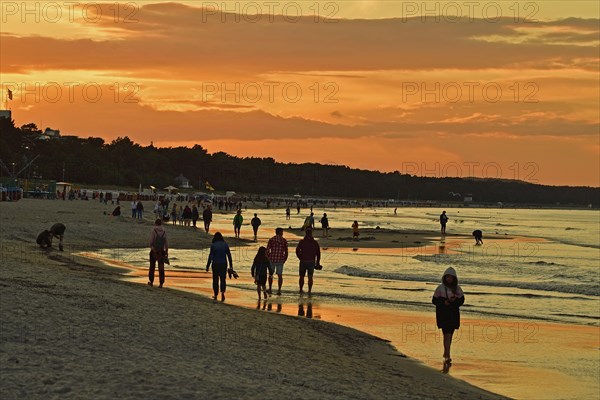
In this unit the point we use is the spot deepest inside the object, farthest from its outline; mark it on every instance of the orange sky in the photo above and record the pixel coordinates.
(486, 94)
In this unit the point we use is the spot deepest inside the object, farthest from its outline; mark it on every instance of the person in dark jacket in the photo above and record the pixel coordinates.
(218, 257)
(44, 239)
(478, 235)
(187, 215)
(140, 209)
(58, 231)
(255, 222)
(195, 215)
(325, 225)
(443, 221)
(159, 253)
(260, 270)
(309, 254)
(207, 217)
(448, 297)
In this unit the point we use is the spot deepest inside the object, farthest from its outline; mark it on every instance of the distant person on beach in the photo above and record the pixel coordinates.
(116, 212)
(159, 250)
(140, 210)
(443, 221)
(478, 237)
(448, 297)
(277, 252)
(218, 257)
(187, 215)
(309, 222)
(255, 222)
(309, 254)
(133, 209)
(238, 220)
(355, 232)
(207, 217)
(195, 215)
(260, 267)
(325, 225)
(287, 213)
(396, 211)
(298, 209)
(174, 214)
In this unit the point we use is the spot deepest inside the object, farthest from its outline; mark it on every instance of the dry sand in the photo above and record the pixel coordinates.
(70, 328)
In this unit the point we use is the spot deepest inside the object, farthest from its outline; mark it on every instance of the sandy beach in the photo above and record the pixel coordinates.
(71, 328)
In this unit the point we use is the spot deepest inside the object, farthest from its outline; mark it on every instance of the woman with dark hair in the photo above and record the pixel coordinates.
(219, 254)
(448, 297)
(260, 269)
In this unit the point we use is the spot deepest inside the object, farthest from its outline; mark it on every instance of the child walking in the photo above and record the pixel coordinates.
(448, 297)
(260, 269)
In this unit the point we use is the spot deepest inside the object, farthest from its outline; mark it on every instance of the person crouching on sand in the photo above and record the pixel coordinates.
(44, 239)
(448, 297)
(260, 267)
(218, 257)
(159, 250)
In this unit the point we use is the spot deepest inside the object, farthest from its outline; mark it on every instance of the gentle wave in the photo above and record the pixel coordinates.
(583, 289)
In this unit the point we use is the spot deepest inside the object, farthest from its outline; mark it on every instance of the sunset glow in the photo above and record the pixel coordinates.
(499, 89)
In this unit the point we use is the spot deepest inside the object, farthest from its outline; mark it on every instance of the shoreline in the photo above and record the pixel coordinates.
(519, 334)
(73, 328)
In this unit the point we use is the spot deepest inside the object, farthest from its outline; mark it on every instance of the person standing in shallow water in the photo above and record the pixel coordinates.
(448, 297)
(309, 254)
(277, 252)
(218, 257)
(260, 268)
(159, 250)
(443, 221)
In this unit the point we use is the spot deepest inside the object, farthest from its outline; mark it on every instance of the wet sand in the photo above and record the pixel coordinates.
(488, 352)
(72, 328)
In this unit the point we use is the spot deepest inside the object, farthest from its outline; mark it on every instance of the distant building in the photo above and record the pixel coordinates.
(6, 114)
(183, 182)
(63, 187)
(50, 134)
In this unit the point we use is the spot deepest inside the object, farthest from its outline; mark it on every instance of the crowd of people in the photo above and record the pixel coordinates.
(270, 259)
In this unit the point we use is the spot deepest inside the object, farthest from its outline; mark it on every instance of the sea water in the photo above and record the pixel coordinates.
(532, 309)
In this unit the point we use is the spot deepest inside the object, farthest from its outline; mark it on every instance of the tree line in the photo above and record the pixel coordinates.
(93, 161)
